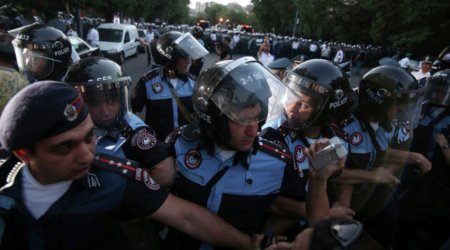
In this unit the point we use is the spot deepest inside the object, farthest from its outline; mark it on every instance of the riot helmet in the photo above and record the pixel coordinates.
(173, 45)
(386, 87)
(105, 89)
(42, 52)
(437, 90)
(228, 87)
(321, 92)
(197, 32)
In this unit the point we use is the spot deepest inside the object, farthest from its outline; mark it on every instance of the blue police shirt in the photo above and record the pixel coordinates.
(162, 112)
(242, 194)
(362, 152)
(139, 143)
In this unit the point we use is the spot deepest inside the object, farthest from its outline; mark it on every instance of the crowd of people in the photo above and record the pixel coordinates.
(254, 153)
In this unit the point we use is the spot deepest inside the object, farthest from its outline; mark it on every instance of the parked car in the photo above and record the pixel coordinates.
(118, 41)
(141, 46)
(83, 48)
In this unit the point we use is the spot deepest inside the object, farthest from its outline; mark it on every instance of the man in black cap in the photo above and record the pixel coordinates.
(60, 201)
(279, 67)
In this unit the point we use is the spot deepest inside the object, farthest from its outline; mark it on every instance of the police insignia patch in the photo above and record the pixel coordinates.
(300, 156)
(143, 140)
(193, 159)
(149, 182)
(157, 88)
(356, 138)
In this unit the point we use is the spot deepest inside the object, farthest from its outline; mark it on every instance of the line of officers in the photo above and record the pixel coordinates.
(222, 161)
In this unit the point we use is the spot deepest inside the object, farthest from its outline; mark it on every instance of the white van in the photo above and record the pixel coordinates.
(118, 41)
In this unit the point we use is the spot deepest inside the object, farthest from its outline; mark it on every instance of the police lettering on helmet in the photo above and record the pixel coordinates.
(42, 52)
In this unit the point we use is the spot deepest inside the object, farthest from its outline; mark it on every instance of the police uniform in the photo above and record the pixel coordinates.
(239, 188)
(296, 143)
(137, 142)
(366, 149)
(162, 112)
(433, 120)
(87, 214)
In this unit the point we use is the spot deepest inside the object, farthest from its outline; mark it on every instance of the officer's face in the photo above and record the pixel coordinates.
(300, 111)
(183, 65)
(242, 136)
(67, 156)
(36, 62)
(104, 113)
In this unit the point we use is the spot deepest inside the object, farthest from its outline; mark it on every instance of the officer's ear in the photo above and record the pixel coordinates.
(23, 154)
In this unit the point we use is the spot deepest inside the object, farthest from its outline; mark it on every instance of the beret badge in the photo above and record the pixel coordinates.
(72, 110)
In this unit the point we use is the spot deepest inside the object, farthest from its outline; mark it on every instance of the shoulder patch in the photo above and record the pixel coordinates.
(143, 139)
(299, 153)
(157, 87)
(193, 159)
(356, 138)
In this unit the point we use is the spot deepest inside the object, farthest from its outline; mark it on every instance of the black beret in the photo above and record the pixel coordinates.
(40, 110)
(281, 63)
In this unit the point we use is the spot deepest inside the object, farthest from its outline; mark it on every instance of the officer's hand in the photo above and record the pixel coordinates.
(341, 212)
(384, 176)
(421, 161)
(279, 242)
(316, 147)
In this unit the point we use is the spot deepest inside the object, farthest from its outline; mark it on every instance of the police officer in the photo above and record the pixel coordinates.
(320, 92)
(221, 164)
(424, 204)
(71, 203)
(165, 92)
(197, 65)
(119, 132)
(280, 67)
(43, 52)
(388, 97)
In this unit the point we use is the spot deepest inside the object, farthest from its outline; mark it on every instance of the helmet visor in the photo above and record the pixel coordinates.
(108, 102)
(188, 45)
(437, 91)
(305, 102)
(36, 63)
(248, 94)
(408, 109)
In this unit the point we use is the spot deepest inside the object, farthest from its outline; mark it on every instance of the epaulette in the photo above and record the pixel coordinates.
(193, 77)
(172, 137)
(344, 122)
(190, 132)
(275, 150)
(9, 170)
(124, 167)
(275, 136)
(150, 74)
(339, 131)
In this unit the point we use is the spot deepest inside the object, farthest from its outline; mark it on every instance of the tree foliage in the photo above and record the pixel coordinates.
(416, 25)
